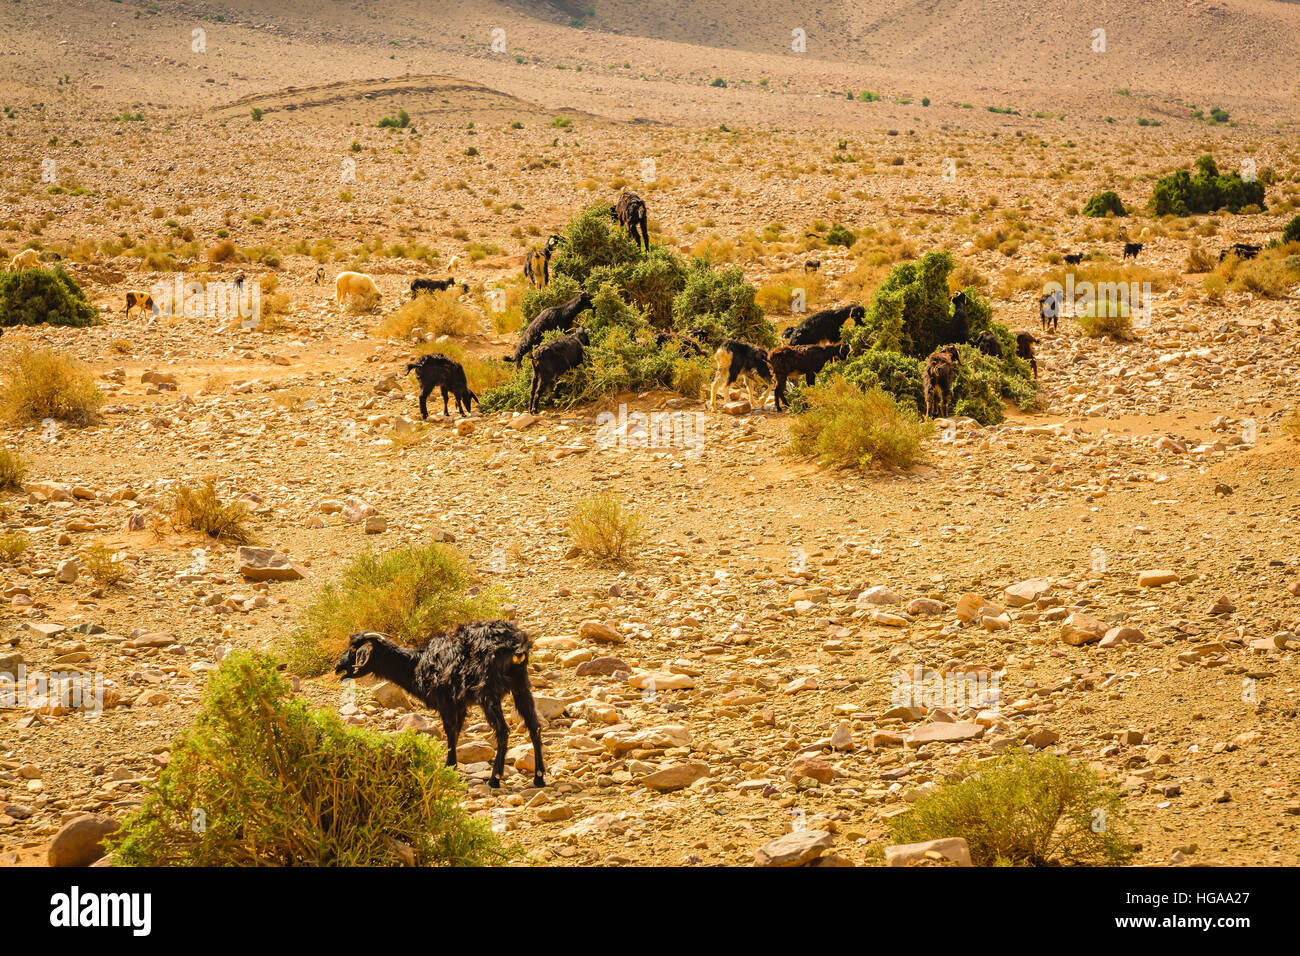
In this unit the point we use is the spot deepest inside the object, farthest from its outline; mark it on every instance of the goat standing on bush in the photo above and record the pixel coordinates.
(553, 359)
(559, 317)
(537, 263)
(824, 326)
(476, 663)
(631, 213)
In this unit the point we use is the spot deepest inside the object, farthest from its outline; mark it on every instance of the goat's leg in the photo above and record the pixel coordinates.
(534, 392)
(497, 721)
(527, 709)
(713, 389)
(451, 721)
(445, 413)
(425, 392)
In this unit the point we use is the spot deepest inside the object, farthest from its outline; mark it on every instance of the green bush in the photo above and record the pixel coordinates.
(1102, 203)
(1024, 809)
(719, 304)
(898, 374)
(911, 312)
(407, 594)
(13, 470)
(1292, 231)
(846, 427)
(261, 779)
(839, 236)
(650, 284)
(32, 296)
(1182, 194)
(591, 240)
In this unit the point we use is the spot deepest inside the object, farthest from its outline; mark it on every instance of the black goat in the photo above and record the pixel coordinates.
(537, 263)
(1074, 258)
(630, 211)
(319, 277)
(987, 342)
(436, 285)
(685, 345)
(1049, 309)
(938, 379)
(551, 360)
(1025, 343)
(1131, 250)
(736, 360)
(559, 317)
(476, 663)
(437, 370)
(1241, 250)
(959, 329)
(812, 265)
(789, 361)
(823, 326)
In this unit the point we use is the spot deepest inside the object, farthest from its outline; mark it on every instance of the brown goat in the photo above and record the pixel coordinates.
(937, 381)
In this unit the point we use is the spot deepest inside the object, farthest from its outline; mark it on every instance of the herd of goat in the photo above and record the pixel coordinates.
(808, 346)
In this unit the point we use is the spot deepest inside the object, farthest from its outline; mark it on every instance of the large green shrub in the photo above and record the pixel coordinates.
(1103, 203)
(262, 779)
(591, 240)
(1024, 809)
(1182, 194)
(719, 304)
(33, 296)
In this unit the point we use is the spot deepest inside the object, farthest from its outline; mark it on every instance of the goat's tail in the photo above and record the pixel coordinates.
(411, 367)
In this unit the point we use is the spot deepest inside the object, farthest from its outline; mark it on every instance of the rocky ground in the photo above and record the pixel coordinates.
(1122, 560)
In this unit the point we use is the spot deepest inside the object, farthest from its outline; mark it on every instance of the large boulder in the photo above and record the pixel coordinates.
(266, 564)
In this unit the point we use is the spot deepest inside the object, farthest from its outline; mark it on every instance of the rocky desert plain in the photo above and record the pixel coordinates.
(1135, 532)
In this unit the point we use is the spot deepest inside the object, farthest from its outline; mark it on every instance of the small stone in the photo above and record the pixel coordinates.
(376, 524)
(265, 564)
(675, 777)
(952, 849)
(1080, 628)
(600, 633)
(793, 849)
(1155, 579)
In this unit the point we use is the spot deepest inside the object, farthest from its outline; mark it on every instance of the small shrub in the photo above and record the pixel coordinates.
(198, 508)
(407, 594)
(1199, 260)
(105, 566)
(41, 383)
(51, 296)
(1103, 203)
(277, 783)
(1102, 318)
(12, 470)
(1023, 810)
(846, 427)
(1292, 231)
(438, 313)
(605, 529)
(223, 251)
(840, 236)
(12, 545)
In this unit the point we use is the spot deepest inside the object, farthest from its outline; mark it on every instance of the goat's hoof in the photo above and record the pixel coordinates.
(538, 781)
(495, 783)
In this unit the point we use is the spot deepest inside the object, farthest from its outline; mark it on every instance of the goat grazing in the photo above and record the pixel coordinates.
(537, 263)
(551, 360)
(559, 317)
(685, 345)
(476, 663)
(789, 361)
(938, 379)
(630, 211)
(354, 283)
(436, 370)
(27, 259)
(1241, 250)
(1025, 343)
(739, 360)
(1074, 258)
(1131, 250)
(319, 277)
(142, 299)
(436, 285)
(812, 265)
(1049, 309)
(823, 326)
(987, 342)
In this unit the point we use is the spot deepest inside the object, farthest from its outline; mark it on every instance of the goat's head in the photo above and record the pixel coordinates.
(585, 301)
(951, 352)
(355, 661)
(552, 243)
(581, 335)
(857, 314)
(959, 299)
